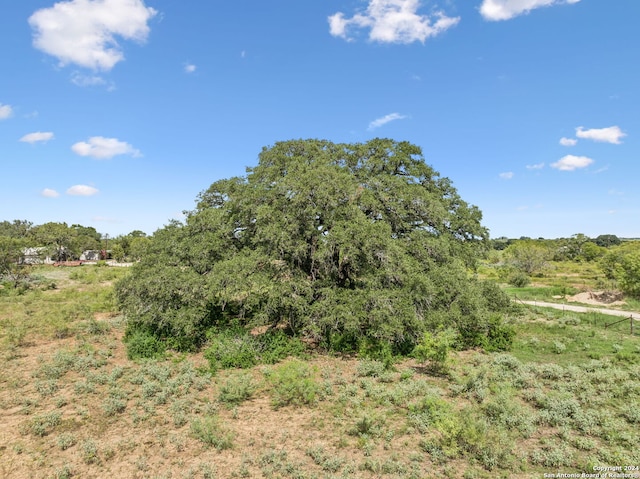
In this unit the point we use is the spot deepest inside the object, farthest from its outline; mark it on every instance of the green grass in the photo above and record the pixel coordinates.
(44, 313)
(584, 337)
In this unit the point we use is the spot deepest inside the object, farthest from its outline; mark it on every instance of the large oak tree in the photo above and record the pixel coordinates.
(344, 244)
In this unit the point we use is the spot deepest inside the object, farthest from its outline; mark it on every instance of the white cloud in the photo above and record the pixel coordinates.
(82, 190)
(37, 136)
(572, 162)
(80, 79)
(568, 141)
(49, 193)
(505, 9)
(83, 32)
(104, 148)
(377, 123)
(506, 175)
(190, 68)
(392, 21)
(5, 111)
(611, 134)
(537, 166)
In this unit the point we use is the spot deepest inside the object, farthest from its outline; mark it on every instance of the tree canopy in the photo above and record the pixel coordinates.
(345, 244)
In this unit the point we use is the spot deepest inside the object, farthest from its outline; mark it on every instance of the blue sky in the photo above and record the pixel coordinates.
(117, 113)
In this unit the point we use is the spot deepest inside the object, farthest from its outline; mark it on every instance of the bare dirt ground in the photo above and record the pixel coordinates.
(597, 298)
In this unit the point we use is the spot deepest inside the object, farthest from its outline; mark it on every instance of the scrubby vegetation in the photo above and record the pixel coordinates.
(565, 397)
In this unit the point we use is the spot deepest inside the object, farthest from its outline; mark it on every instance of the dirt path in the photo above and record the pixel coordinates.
(584, 309)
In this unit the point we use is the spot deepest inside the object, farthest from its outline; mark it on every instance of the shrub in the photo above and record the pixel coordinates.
(519, 279)
(65, 440)
(143, 345)
(41, 425)
(232, 348)
(500, 335)
(236, 389)
(89, 452)
(209, 431)
(434, 349)
(293, 383)
(237, 348)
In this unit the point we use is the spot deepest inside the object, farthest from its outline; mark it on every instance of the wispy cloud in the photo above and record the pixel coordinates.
(190, 68)
(377, 123)
(83, 80)
(82, 190)
(83, 32)
(49, 193)
(537, 166)
(104, 148)
(392, 21)
(496, 10)
(568, 141)
(612, 134)
(507, 175)
(571, 163)
(5, 111)
(36, 137)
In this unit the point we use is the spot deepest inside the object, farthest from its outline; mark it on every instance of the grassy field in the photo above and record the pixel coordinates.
(565, 399)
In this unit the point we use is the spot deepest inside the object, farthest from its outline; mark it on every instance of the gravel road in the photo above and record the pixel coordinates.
(584, 309)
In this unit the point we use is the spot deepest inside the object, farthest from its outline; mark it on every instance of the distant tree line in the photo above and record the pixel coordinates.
(21, 241)
(618, 259)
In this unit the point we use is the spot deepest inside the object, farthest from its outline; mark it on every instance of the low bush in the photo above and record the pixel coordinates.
(519, 279)
(143, 345)
(238, 348)
(293, 383)
(236, 389)
(434, 350)
(209, 432)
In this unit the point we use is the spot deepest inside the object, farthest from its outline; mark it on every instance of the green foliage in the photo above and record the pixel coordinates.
(519, 279)
(43, 424)
(89, 452)
(11, 258)
(143, 345)
(353, 246)
(237, 389)
(293, 383)
(209, 431)
(499, 335)
(65, 242)
(628, 274)
(528, 256)
(434, 349)
(622, 263)
(237, 348)
(607, 240)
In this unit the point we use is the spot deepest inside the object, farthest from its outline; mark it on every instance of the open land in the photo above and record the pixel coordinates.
(566, 398)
